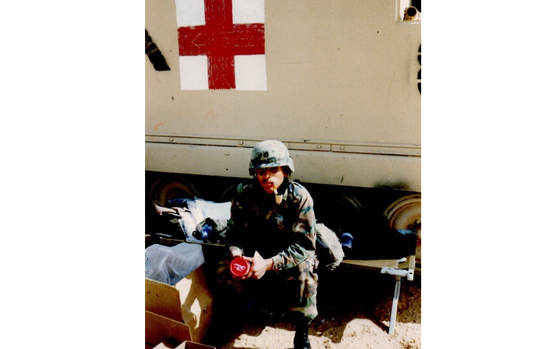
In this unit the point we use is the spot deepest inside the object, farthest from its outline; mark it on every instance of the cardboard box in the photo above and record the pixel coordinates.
(162, 332)
(189, 301)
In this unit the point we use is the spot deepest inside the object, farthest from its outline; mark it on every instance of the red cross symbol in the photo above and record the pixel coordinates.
(220, 40)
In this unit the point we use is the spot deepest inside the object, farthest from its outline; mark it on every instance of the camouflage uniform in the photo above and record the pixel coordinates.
(284, 232)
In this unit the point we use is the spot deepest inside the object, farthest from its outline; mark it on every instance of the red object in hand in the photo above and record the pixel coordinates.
(239, 267)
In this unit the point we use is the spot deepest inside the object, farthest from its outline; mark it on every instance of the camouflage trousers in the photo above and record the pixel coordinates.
(295, 288)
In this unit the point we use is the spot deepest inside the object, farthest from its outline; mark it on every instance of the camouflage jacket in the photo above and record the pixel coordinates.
(284, 232)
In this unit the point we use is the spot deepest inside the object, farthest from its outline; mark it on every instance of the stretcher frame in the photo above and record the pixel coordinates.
(399, 268)
(403, 267)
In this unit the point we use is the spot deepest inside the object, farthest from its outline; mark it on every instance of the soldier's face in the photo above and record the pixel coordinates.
(270, 178)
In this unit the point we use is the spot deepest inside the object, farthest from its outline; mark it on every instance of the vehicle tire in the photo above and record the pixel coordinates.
(170, 187)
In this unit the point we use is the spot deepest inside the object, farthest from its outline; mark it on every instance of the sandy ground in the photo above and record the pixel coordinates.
(354, 312)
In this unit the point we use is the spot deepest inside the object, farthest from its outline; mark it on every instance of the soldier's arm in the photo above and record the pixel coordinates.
(305, 234)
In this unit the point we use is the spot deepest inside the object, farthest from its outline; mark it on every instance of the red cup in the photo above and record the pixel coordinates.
(239, 267)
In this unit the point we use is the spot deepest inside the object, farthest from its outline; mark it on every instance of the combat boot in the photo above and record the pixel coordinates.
(301, 339)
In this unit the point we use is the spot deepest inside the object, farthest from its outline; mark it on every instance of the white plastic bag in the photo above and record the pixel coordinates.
(171, 264)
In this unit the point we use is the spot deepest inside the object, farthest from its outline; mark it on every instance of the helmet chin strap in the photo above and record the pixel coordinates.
(277, 197)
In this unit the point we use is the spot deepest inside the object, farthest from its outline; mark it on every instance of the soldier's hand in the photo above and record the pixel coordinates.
(235, 252)
(259, 267)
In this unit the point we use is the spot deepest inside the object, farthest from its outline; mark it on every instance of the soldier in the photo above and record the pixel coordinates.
(273, 217)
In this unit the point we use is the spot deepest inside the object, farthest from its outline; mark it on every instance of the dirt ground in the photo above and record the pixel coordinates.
(354, 312)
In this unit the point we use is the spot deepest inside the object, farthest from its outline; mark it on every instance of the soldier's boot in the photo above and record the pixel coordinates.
(301, 339)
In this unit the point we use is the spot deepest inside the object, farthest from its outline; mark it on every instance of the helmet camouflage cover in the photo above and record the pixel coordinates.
(270, 154)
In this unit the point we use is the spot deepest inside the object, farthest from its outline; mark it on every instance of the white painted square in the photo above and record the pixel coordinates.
(248, 11)
(193, 71)
(190, 13)
(250, 73)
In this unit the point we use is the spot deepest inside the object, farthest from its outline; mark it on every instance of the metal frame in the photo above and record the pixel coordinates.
(396, 267)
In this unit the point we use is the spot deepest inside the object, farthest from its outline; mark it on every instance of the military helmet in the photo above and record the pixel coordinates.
(270, 153)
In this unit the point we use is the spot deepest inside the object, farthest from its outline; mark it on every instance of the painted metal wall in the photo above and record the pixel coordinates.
(341, 91)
